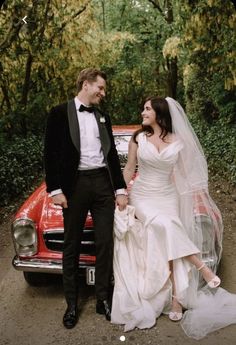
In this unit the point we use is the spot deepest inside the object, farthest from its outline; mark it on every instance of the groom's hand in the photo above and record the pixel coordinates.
(121, 201)
(60, 199)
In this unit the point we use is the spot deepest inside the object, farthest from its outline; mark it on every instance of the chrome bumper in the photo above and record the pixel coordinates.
(37, 265)
(44, 266)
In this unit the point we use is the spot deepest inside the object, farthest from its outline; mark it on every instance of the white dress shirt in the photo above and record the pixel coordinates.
(91, 155)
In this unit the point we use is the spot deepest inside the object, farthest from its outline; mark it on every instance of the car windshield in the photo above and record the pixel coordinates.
(122, 143)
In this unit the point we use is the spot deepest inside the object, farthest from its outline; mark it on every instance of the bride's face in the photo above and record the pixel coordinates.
(148, 115)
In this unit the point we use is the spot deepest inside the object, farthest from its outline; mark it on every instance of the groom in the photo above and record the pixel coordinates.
(83, 174)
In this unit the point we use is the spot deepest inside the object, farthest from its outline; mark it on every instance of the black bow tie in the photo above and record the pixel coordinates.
(84, 108)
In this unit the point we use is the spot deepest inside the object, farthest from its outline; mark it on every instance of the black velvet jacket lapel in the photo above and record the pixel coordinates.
(104, 136)
(74, 128)
(73, 124)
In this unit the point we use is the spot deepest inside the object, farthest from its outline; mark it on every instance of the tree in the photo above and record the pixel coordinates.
(210, 68)
(165, 9)
(40, 59)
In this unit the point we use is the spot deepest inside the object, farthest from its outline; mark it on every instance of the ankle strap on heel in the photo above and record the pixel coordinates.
(199, 268)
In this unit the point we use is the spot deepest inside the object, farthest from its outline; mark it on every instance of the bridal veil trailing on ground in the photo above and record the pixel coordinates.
(213, 308)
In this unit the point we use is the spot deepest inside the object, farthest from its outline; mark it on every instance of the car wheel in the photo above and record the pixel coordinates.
(39, 279)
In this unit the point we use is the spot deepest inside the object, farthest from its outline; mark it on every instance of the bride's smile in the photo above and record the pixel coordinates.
(148, 115)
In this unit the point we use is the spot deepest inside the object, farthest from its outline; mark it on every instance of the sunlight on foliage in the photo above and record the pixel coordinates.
(171, 47)
(179, 48)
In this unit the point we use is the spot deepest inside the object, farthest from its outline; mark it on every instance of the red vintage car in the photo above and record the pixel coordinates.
(38, 232)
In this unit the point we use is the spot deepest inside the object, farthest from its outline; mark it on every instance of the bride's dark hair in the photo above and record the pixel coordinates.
(163, 118)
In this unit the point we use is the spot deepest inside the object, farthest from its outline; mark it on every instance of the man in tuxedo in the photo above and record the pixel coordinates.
(83, 174)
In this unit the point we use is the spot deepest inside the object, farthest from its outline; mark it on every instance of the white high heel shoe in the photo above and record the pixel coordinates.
(214, 282)
(174, 315)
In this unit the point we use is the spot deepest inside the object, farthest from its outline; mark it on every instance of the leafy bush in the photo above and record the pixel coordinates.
(20, 165)
(219, 144)
(211, 110)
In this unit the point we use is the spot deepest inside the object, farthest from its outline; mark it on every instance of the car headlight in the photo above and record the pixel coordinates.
(25, 237)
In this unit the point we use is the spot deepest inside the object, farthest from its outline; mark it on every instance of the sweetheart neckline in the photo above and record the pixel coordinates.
(173, 142)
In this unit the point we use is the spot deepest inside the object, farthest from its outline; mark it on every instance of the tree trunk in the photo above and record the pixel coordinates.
(25, 92)
(172, 76)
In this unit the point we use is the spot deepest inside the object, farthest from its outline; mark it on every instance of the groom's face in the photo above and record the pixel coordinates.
(95, 90)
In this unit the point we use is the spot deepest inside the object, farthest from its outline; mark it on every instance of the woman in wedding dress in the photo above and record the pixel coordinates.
(157, 253)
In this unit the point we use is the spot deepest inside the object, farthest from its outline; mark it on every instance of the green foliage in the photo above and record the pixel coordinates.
(183, 49)
(219, 144)
(212, 111)
(20, 166)
(208, 65)
(40, 60)
(140, 70)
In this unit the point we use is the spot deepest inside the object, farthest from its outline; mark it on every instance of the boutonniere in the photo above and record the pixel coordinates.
(102, 119)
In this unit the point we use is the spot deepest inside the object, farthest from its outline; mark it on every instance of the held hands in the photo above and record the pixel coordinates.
(60, 199)
(121, 201)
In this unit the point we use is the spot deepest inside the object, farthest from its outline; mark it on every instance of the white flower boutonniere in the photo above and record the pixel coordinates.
(102, 119)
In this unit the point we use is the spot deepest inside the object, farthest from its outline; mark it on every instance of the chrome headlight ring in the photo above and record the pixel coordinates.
(25, 237)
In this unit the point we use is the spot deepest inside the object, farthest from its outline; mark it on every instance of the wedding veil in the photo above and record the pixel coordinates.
(199, 213)
(215, 308)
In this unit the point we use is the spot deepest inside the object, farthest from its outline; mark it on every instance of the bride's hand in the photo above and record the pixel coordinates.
(121, 201)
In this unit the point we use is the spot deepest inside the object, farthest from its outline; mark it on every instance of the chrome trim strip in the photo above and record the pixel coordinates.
(53, 231)
(59, 230)
(59, 241)
(55, 241)
(87, 242)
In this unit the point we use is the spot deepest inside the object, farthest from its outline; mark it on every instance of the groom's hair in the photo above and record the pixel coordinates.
(89, 74)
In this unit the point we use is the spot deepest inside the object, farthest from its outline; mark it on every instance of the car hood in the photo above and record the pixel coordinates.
(41, 210)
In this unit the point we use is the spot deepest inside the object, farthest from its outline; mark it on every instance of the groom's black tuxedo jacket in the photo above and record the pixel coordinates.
(62, 149)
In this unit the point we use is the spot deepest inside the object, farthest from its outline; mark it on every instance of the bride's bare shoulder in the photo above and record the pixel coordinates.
(171, 137)
(137, 137)
(174, 137)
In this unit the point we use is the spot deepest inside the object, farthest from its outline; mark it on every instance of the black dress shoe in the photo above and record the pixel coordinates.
(102, 307)
(70, 317)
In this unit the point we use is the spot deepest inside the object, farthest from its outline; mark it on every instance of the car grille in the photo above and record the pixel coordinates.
(54, 241)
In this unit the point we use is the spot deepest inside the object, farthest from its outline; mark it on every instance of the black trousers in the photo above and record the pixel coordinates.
(94, 192)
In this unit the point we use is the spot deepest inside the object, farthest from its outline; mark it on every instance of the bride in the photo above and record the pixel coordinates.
(158, 248)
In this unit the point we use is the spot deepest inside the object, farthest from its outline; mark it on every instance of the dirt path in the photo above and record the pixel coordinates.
(225, 197)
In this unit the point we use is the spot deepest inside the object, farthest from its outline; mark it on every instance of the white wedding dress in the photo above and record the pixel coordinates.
(144, 246)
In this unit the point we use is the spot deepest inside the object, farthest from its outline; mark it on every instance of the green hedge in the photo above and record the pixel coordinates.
(21, 161)
(21, 164)
(219, 144)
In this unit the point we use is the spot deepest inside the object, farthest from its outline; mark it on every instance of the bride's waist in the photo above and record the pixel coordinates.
(156, 183)
(155, 180)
